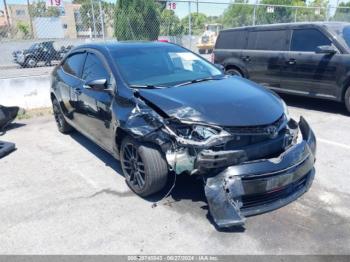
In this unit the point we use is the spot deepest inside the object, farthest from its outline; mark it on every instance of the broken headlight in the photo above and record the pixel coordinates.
(198, 135)
(194, 132)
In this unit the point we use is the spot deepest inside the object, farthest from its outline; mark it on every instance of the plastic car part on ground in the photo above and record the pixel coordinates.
(7, 115)
(6, 148)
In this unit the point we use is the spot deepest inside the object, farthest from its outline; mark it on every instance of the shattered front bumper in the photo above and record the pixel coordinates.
(259, 186)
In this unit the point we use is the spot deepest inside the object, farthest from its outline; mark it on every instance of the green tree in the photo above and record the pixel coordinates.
(280, 14)
(39, 9)
(238, 14)
(23, 28)
(137, 20)
(88, 11)
(342, 13)
(170, 24)
(318, 12)
(198, 21)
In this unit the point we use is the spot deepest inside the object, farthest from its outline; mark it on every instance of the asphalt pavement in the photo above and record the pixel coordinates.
(61, 194)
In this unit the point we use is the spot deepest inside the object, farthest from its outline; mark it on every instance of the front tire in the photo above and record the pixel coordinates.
(234, 72)
(144, 167)
(61, 122)
(347, 99)
(201, 51)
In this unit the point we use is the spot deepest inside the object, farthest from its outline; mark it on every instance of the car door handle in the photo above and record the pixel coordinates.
(245, 58)
(77, 90)
(291, 61)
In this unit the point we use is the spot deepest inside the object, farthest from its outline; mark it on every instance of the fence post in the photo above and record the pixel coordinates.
(254, 14)
(101, 20)
(93, 18)
(189, 24)
(328, 12)
(30, 20)
(295, 14)
(254, 11)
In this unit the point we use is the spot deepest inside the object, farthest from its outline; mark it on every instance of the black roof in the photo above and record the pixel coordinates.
(113, 45)
(289, 25)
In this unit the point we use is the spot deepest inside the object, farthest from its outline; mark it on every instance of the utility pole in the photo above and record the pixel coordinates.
(7, 13)
(197, 7)
(30, 19)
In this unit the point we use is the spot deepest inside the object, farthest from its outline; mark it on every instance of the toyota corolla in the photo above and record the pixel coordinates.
(161, 109)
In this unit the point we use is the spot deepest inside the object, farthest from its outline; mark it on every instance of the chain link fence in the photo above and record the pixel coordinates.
(36, 33)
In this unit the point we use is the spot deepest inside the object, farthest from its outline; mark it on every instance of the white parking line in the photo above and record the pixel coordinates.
(333, 143)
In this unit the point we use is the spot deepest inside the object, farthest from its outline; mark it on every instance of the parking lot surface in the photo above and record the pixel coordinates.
(63, 194)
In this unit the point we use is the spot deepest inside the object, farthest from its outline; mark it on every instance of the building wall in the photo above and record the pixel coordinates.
(48, 27)
(3, 20)
(18, 13)
(68, 20)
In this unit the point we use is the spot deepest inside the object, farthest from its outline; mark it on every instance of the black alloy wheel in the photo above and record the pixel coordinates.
(134, 168)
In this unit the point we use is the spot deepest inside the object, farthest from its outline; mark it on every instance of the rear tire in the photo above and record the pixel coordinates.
(61, 122)
(347, 99)
(233, 72)
(31, 62)
(201, 51)
(145, 169)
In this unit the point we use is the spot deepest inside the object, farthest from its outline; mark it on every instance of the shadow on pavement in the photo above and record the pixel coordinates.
(186, 197)
(309, 103)
(14, 126)
(10, 127)
(104, 156)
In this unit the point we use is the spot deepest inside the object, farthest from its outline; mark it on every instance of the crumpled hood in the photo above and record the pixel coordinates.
(232, 101)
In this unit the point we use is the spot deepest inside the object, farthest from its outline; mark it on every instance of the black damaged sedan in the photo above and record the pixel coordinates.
(162, 109)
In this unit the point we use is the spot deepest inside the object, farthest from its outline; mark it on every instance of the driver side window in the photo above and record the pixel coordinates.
(307, 40)
(94, 69)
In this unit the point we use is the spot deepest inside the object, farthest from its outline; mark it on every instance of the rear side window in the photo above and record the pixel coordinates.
(232, 40)
(73, 64)
(307, 40)
(268, 40)
(94, 69)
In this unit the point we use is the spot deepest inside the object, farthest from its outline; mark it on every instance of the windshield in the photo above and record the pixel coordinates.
(162, 66)
(343, 32)
(33, 46)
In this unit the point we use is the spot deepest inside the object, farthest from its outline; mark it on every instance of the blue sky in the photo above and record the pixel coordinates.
(182, 8)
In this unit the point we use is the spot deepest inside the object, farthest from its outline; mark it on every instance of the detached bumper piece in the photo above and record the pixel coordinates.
(6, 148)
(263, 185)
(7, 115)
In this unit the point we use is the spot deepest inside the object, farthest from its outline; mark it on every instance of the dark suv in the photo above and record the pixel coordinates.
(309, 59)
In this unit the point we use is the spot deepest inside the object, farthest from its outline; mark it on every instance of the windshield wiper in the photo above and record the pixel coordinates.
(197, 81)
(146, 86)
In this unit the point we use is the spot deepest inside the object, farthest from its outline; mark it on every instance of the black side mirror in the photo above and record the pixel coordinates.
(220, 67)
(97, 84)
(326, 49)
